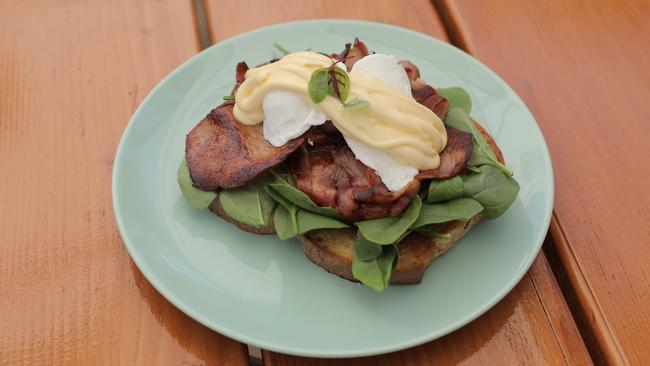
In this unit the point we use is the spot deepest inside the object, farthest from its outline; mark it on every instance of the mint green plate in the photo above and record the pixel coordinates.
(265, 292)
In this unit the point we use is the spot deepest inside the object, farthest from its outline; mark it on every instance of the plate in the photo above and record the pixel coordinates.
(263, 291)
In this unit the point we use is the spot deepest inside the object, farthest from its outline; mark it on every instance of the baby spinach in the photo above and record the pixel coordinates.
(292, 210)
(196, 198)
(492, 188)
(482, 154)
(457, 98)
(300, 199)
(366, 250)
(306, 221)
(445, 190)
(250, 204)
(432, 230)
(376, 273)
(388, 230)
(458, 209)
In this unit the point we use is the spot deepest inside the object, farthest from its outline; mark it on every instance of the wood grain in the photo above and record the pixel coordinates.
(532, 325)
(71, 75)
(582, 68)
(229, 18)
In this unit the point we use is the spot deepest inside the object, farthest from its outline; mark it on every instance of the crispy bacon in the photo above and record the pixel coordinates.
(352, 53)
(223, 153)
(412, 71)
(240, 72)
(428, 97)
(453, 158)
(329, 173)
(240, 76)
(424, 93)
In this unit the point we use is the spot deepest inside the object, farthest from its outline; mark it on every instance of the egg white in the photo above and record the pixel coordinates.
(287, 115)
(394, 175)
(385, 68)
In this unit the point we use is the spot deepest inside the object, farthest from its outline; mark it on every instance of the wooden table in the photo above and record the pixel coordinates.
(72, 73)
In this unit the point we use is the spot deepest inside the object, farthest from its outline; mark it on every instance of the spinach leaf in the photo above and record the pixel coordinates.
(482, 154)
(388, 230)
(196, 198)
(306, 221)
(445, 190)
(492, 188)
(300, 199)
(478, 158)
(432, 230)
(436, 213)
(292, 210)
(366, 250)
(376, 273)
(457, 98)
(250, 204)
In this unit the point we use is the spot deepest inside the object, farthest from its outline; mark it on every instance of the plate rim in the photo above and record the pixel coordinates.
(168, 294)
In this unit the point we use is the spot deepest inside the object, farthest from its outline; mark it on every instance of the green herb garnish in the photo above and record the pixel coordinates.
(355, 104)
(282, 50)
(332, 81)
(229, 97)
(318, 85)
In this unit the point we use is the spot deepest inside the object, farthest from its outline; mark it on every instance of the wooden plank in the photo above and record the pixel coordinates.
(229, 18)
(71, 75)
(582, 67)
(532, 324)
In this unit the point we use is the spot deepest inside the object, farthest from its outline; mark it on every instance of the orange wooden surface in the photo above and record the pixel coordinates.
(71, 75)
(532, 325)
(228, 18)
(583, 69)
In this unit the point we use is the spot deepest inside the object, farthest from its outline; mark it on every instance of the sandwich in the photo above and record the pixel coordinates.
(374, 172)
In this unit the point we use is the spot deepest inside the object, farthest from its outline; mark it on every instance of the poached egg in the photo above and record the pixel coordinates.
(287, 115)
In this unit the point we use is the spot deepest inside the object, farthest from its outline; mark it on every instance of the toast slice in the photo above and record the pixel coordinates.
(332, 249)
